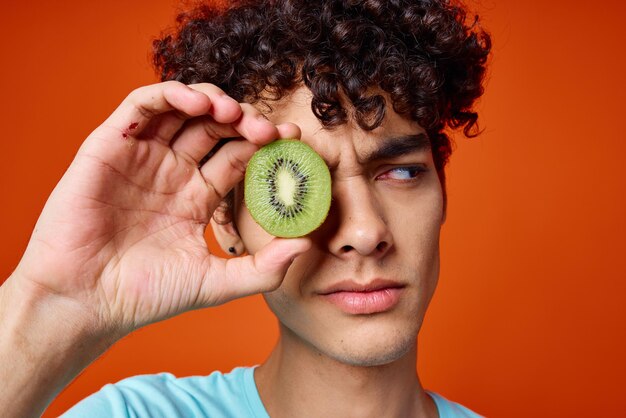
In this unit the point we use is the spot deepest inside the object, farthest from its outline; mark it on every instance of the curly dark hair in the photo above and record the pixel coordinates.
(427, 55)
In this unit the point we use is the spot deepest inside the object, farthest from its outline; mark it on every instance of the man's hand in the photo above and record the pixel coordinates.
(120, 242)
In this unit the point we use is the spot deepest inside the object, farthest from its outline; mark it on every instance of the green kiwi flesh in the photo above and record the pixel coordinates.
(287, 188)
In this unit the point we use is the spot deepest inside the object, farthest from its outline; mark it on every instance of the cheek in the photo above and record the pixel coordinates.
(289, 302)
(278, 302)
(416, 219)
(283, 302)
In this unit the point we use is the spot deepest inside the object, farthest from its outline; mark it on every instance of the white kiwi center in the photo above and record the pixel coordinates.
(286, 187)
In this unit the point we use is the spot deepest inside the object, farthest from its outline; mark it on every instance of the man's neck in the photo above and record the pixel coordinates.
(296, 380)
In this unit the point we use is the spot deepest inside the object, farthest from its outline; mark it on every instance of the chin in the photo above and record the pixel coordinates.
(363, 341)
(374, 358)
(377, 348)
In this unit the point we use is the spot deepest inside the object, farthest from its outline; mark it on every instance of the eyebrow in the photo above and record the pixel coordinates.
(398, 146)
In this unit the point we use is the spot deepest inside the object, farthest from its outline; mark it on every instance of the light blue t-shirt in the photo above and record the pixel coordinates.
(231, 395)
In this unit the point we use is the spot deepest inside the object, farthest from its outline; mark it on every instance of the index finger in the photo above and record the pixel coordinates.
(144, 103)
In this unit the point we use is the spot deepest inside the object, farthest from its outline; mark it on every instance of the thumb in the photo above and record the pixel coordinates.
(262, 272)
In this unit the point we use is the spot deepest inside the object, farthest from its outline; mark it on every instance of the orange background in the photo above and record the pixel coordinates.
(529, 316)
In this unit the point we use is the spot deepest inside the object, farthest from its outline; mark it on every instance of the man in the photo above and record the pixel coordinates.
(371, 86)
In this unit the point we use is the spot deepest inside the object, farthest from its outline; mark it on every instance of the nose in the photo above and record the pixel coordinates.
(361, 228)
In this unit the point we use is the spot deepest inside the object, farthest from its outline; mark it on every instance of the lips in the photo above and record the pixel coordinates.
(377, 296)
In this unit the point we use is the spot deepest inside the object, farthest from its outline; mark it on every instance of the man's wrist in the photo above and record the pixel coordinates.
(45, 341)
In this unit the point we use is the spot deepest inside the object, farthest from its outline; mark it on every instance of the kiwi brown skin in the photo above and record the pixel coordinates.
(287, 188)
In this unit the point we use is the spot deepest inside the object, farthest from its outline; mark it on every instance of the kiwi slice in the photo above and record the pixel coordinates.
(287, 188)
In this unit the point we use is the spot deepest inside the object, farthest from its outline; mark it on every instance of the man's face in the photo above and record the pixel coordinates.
(360, 294)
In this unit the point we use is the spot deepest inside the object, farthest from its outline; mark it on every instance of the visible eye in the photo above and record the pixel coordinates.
(403, 173)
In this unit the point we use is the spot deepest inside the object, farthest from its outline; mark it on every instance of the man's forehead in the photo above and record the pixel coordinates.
(396, 136)
(354, 147)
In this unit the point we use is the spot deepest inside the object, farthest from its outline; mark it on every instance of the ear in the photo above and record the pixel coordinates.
(225, 231)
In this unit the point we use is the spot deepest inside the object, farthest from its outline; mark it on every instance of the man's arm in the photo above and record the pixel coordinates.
(120, 242)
